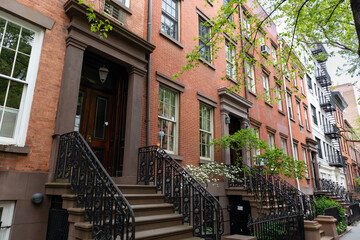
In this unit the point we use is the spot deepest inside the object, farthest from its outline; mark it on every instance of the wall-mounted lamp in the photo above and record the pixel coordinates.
(103, 73)
(37, 198)
(247, 125)
(227, 119)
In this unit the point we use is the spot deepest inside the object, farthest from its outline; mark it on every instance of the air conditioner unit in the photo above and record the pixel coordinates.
(264, 49)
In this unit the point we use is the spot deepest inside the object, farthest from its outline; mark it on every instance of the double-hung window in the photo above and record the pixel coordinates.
(255, 130)
(289, 103)
(246, 26)
(319, 147)
(306, 119)
(20, 47)
(266, 87)
(313, 112)
(204, 40)
(271, 140)
(230, 59)
(228, 16)
(298, 112)
(206, 131)
(305, 161)
(278, 98)
(250, 77)
(308, 80)
(170, 18)
(168, 119)
(284, 145)
(273, 54)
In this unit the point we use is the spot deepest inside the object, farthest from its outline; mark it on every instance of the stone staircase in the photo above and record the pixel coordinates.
(154, 219)
(334, 197)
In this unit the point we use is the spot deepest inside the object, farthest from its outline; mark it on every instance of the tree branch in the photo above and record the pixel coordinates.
(334, 9)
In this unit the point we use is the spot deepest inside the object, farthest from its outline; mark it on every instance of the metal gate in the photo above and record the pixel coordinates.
(58, 225)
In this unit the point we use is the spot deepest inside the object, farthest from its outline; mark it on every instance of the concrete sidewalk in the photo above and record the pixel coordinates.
(354, 233)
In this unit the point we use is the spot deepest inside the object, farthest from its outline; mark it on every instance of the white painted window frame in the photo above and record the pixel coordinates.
(6, 218)
(211, 131)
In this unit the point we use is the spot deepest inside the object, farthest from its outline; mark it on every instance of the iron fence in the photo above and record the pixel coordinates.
(278, 227)
(354, 212)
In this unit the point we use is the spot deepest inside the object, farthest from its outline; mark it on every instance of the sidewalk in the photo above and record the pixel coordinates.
(354, 234)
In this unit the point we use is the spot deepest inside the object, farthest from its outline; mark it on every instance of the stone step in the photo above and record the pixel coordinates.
(326, 238)
(157, 221)
(152, 209)
(174, 233)
(136, 199)
(192, 238)
(57, 188)
(322, 233)
(137, 189)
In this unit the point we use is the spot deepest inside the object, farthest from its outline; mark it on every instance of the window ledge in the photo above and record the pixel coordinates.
(292, 119)
(281, 112)
(122, 6)
(176, 157)
(269, 104)
(308, 130)
(210, 3)
(207, 63)
(205, 161)
(231, 79)
(252, 93)
(171, 39)
(14, 149)
(301, 125)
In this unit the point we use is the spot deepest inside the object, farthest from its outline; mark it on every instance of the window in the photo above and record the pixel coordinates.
(306, 119)
(250, 77)
(319, 118)
(230, 17)
(271, 140)
(246, 26)
(298, 112)
(289, 103)
(278, 97)
(273, 54)
(170, 18)
(294, 78)
(204, 38)
(113, 10)
(305, 161)
(284, 145)
(168, 115)
(256, 131)
(302, 85)
(313, 112)
(296, 155)
(319, 147)
(206, 131)
(324, 149)
(6, 218)
(20, 48)
(266, 87)
(308, 79)
(230, 59)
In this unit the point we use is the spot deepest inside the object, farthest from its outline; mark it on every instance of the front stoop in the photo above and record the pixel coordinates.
(154, 219)
(328, 225)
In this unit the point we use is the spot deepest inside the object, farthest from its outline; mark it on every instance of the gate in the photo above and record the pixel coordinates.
(58, 225)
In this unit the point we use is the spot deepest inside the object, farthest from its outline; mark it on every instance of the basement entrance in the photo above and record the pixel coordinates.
(239, 211)
(101, 110)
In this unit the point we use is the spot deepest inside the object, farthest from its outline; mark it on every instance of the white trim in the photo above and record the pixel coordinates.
(29, 86)
(6, 218)
(211, 131)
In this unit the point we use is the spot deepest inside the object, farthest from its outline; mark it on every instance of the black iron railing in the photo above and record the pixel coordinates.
(328, 104)
(354, 212)
(198, 207)
(336, 160)
(320, 53)
(278, 227)
(270, 192)
(331, 131)
(105, 206)
(323, 78)
(335, 189)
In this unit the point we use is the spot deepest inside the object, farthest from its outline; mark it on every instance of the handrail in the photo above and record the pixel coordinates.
(267, 191)
(336, 189)
(198, 206)
(105, 206)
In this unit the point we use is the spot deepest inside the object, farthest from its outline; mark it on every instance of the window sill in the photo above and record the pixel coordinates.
(308, 130)
(252, 93)
(207, 63)
(14, 149)
(302, 126)
(171, 39)
(205, 160)
(293, 120)
(231, 79)
(269, 104)
(210, 3)
(176, 157)
(281, 112)
(122, 6)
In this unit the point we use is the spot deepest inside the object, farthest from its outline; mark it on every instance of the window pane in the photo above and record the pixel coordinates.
(21, 66)
(6, 61)
(14, 95)
(100, 117)
(11, 35)
(26, 41)
(2, 28)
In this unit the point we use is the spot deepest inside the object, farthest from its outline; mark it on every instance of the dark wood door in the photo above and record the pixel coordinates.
(95, 121)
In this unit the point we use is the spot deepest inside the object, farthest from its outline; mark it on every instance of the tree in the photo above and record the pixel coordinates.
(269, 160)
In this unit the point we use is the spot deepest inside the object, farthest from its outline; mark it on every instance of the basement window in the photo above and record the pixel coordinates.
(114, 11)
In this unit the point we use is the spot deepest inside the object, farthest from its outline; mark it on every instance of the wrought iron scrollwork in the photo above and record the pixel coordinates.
(198, 207)
(105, 206)
(335, 189)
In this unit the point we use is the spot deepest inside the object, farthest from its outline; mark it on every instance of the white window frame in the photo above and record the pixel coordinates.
(278, 96)
(256, 131)
(266, 87)
(296, 151)
(230, 60)
(176, 129)
(6, 218)
(247, 26)
(274, 54)
(298, 112)
(303, 150)
(306, 119)
(271, 140)
(201, 20)
(250, 77)
(289, 103)
(177, 37)
(284, 145)
(23, 117)
(211, 131)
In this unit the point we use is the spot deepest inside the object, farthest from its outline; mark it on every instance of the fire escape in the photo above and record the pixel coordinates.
(327, 103)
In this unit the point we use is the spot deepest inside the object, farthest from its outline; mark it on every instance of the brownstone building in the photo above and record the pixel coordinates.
(50, 86)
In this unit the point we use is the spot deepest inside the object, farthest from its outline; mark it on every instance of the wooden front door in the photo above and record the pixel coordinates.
(95, 121)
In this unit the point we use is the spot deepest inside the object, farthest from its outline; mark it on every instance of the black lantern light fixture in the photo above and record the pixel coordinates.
(103, 73)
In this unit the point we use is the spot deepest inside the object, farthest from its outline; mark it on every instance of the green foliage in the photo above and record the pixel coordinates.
(270, 160)
(323, 202)
(272, 230)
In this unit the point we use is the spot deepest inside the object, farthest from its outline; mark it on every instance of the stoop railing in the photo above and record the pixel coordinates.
(105, 206)
(199, 208)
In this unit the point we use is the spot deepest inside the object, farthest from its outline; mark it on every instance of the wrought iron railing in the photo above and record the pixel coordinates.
(328, 104)
(331, 130)
(335, 189)
(284, 226)
(336, 160)
(198, 207)
(105, 206)
(320, 53)
(271, 193)
(305, 203)
(323, 78)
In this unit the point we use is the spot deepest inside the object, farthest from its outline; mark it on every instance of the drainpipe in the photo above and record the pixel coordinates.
(148, 80)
